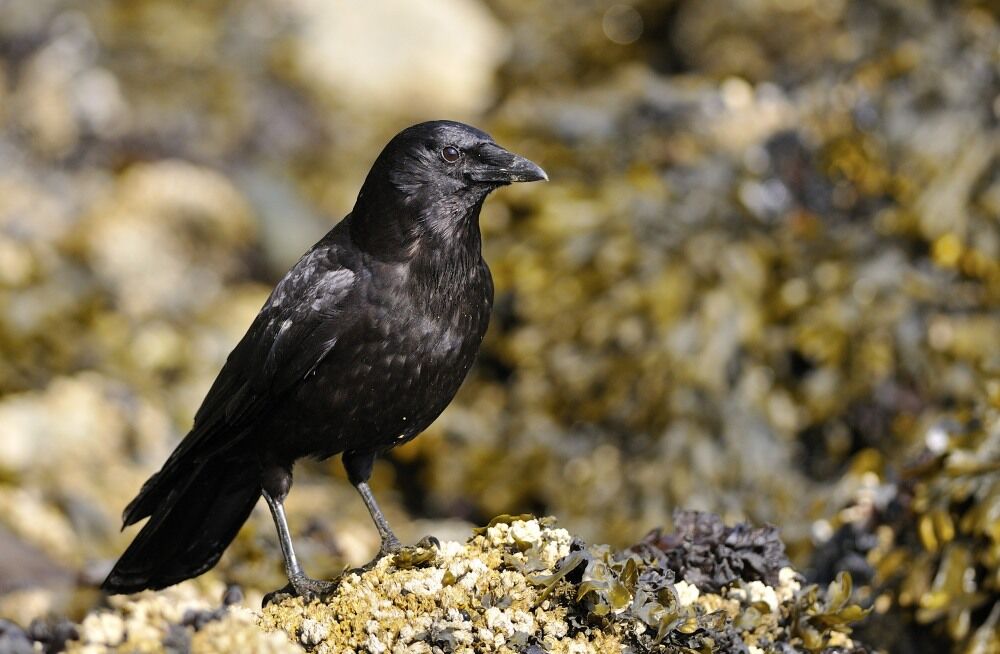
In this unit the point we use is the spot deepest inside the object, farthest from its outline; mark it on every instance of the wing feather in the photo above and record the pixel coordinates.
(296, 328)
(299, 323)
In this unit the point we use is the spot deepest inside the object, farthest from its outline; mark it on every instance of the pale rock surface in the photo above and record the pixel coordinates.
(419, 56)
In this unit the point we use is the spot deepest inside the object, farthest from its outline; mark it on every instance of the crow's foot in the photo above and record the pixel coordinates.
(301, 586)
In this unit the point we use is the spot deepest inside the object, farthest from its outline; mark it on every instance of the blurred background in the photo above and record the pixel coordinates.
(763, 281)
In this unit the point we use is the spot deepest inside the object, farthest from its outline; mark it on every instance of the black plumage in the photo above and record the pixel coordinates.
(358, 349)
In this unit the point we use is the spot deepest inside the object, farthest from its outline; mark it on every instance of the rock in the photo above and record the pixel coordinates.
(13, 639)
(312, 632)
(104, 629)
(165, 238)
(519, 584)
(24, 566)
(53, 633)
(428, 57)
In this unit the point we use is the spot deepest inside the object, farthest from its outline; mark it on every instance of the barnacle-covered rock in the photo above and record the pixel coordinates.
(519, 584)
(180, 619)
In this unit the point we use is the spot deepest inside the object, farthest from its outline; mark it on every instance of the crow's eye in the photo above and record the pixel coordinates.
(450, 153)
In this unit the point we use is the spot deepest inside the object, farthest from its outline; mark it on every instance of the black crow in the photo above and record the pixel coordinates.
(358, 349)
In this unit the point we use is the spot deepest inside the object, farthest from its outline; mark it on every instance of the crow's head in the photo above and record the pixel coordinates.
(447, 158)
(436, 175)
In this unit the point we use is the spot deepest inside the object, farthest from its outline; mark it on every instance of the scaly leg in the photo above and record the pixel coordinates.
(275, 483)
(359, 470)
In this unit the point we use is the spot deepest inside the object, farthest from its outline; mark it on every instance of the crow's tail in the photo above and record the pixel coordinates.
(194, 514)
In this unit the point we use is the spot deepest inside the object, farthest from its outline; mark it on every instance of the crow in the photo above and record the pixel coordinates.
(360, 346)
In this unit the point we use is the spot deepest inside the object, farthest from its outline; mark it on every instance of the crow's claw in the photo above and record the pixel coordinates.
(301, 586)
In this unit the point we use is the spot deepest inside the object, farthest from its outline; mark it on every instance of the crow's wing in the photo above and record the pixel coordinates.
(294, 331)
(297, 327)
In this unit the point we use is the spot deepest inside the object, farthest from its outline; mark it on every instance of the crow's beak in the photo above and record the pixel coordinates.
(495, 165)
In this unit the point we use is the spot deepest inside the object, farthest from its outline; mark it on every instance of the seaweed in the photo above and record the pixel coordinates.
(638, 587)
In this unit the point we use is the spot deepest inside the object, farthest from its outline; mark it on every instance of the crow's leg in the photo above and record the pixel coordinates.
(359, 470)
(275, 483)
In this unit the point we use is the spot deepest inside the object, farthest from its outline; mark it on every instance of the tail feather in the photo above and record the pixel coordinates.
(194, 516)
(152, 494)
